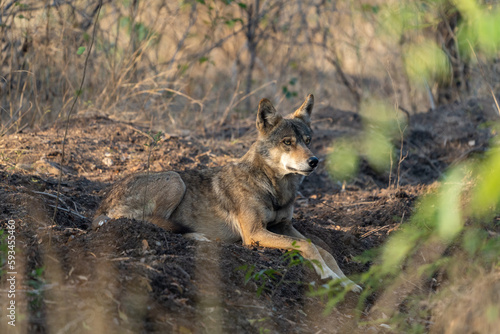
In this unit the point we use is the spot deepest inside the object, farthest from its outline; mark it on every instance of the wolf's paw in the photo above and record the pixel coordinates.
(352, 286)
(344, 282)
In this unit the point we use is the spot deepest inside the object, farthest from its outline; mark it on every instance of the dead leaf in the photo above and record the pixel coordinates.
(122, 316)
(184, 330)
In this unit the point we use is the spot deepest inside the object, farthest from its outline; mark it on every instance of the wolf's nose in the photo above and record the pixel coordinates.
(313, 162)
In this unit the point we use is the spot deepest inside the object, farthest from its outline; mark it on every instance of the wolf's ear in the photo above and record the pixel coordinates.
(267, 117)
(304, 112)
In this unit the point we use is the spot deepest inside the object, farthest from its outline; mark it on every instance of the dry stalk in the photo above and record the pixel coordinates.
(456, 59)
(484, 77)
(243, 98)
(401, 133)
(351, 86)
(401, 157)
(230, 105)
(429, 94)
(154, 139)
(71, 111)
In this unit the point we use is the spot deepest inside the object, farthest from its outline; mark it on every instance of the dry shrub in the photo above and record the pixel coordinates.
(186, 64)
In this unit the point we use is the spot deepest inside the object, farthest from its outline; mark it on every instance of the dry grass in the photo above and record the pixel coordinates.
(182, 65)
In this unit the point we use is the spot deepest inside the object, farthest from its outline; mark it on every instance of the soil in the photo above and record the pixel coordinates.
(132, 276)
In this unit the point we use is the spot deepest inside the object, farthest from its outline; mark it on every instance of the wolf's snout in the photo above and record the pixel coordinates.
(313, 162)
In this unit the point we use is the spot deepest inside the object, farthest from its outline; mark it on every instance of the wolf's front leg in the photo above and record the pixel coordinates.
(266, 238)
(328, 258)
(330, 261)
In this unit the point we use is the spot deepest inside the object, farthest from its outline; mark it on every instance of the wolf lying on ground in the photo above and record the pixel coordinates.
(249, 200)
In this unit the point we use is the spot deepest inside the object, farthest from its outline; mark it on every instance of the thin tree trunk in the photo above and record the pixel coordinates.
(253, 21)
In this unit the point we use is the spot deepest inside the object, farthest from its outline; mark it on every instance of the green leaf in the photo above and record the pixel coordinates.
(242, 5)
(261, 289)
(369, 8)
(182, 68)
(39, 271)
(125, 22)
(86, 37)
(80, 51)
(248, 274)
(231, 22)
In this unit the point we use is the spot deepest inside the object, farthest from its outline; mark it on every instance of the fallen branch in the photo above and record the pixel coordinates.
(68, 210)
(373, 231)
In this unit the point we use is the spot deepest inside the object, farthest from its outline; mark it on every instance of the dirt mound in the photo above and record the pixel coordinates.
(432, 141)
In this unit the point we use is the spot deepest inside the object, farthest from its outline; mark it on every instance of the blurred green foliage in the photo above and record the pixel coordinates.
(454, 226)
(383, 125)
(426, 62)
(487, 192)
(480, 29)
(414, 23)
(343, 161)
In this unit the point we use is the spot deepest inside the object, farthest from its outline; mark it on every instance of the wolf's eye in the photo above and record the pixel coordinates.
(287, 142)
(307, 140)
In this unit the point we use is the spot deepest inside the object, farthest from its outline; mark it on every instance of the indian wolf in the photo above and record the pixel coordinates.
(249, 200)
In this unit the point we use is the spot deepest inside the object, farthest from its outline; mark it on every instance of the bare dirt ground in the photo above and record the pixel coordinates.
(131, 276)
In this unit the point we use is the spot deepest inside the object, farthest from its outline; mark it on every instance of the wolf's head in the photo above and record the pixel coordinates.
(284, 142)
